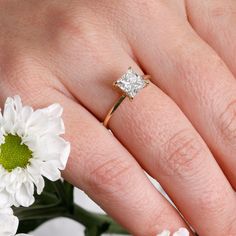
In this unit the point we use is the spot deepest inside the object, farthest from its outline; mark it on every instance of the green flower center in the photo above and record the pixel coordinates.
(13, 153)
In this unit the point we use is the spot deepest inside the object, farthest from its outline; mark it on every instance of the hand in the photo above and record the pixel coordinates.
(181, 129)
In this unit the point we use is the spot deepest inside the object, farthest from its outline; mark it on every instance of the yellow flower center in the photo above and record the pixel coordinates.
(13, 153)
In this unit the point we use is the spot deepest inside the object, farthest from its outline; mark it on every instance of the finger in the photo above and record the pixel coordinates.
(216, 27)
(198, 80)
(159, 136)
(98, 163)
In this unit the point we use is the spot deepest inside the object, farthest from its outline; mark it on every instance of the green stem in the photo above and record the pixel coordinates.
(94, 222)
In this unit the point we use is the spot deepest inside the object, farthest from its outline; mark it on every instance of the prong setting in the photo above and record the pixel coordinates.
(131, 83)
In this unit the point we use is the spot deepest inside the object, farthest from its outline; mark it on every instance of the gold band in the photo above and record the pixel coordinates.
(112, 110)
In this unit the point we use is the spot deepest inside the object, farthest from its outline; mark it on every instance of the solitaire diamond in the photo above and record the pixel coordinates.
(131, 83)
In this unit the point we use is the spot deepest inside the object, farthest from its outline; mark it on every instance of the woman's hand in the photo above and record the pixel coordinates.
(181, 129)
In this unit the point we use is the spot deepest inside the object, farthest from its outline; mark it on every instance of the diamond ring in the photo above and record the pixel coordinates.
(129, 84)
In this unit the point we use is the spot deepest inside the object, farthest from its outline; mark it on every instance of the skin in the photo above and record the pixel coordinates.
(181, 129)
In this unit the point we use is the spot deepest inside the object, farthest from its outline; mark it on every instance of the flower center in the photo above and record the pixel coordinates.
(13, 153)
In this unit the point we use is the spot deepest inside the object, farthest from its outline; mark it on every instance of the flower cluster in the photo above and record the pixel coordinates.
(31, 148)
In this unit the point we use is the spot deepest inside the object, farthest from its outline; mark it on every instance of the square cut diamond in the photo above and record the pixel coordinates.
(131, 83)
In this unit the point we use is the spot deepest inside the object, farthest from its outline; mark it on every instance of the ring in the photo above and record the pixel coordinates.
(129, 84)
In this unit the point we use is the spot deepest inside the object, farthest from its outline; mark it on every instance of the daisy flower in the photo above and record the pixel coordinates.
(30, 148)
(180, 232)
(8, 223)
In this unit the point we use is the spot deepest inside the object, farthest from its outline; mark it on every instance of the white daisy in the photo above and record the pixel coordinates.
(30, 148)
(180, 232)
(8, 223)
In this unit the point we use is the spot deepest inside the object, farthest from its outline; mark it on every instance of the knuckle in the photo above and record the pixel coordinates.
(76, 29)
(70, 24)
(227, 123)
(217, 11)
(80, 37)
(182, 154)
(25, 75)
(140, 10)
(150, 7)
(108, 176)
(20, 70)
(224, 10)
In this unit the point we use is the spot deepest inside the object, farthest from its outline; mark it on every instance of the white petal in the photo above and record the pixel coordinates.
(22, 235)
(40, 184)
(54, 146)
(55, 126)
(47, 120)
(36, 177)
(26, 113)
(6, 211)
(65, 155)
(36, 121)
(55, 123)
(8, 223)
(4, 199)
(9, 115)
(2, 139)
(50, 171)
(34, 167)
(17, 103)
(54, 110)
(24, 196)
(181, 232)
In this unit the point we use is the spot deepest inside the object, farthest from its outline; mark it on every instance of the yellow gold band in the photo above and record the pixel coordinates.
(112, 110)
